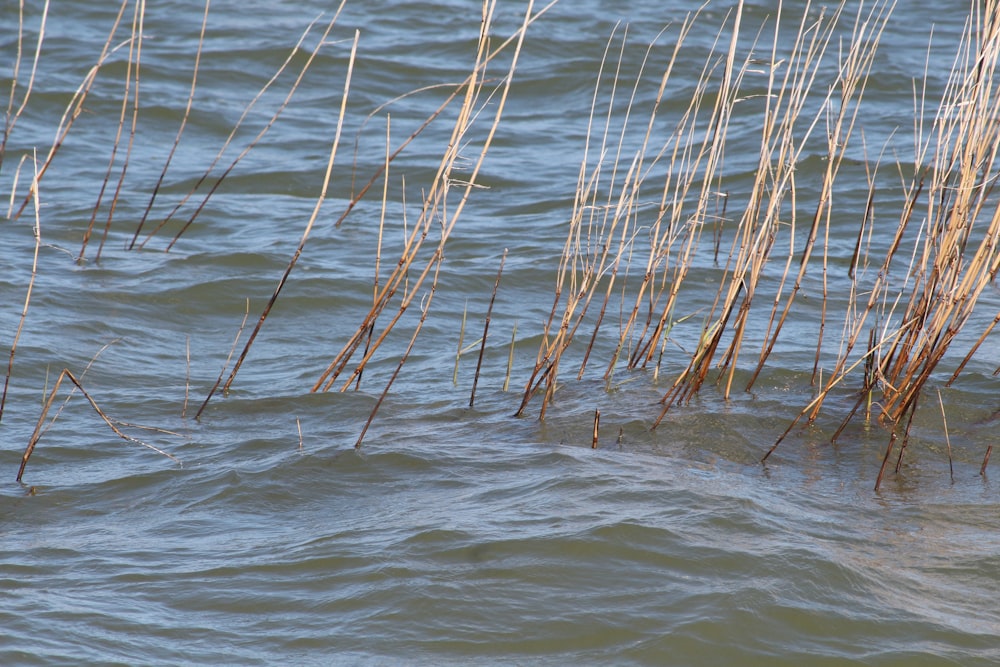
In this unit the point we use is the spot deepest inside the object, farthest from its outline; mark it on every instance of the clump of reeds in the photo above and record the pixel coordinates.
(954, 220)
(908, 314)
(683, 182)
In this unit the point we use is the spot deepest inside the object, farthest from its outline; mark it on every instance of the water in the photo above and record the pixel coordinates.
(455, 535)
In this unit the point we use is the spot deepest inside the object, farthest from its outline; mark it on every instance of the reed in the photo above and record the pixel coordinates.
(597, 428)
(225, 366)
(309, 225)
(691, 197)
(953, 256)
(11, 115)
(40, 426)
(131, 89)
(436, 202)
(180, 129)
(436, 207)
(27, 297)
(486, 330)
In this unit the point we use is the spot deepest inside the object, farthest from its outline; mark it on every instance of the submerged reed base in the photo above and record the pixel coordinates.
(662, 190)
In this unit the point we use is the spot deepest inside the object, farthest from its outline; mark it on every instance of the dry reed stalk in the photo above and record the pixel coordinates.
(413, 241)
(180, 130)
(877, 302)
(510, 358)
(947, 437)
(312, 218)
(229, 357)
(756, 236)
(435, 206)
(75, 106)
(906, 438)
(835, 381)
(855, 320)
(578, 264)
(424, 309)
(37, 231)
(690, 380)
(142, 427)
(306, 231)
(693, 167)
(885, 460)
(239, 122)
(461, 339)
(14, 184)
(870, 382)
(83, 374)
(954, 255)
(11, 116)
(597, 426)
(690, 175)
(378, 249)
(486, 329)
(37, 433)
(133, 60)
(754, 240)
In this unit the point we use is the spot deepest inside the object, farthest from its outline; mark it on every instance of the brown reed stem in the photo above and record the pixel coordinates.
(11, 116)
(378, 246)
(947, 438)
(510, 358)
(180, 130)
(906, 436)
(486, 328)
(355, 199)
(36, 434)
(434, 202)
(597, 426)
(885, 460)
(461, 340)
(229, 357)
(37, 232)
(253, 142)
(951, 267)
(309, 225)
(187, 374)
(425, 308)
(831, 384)
(133, 60)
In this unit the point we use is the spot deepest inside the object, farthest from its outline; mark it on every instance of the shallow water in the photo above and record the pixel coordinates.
(456, 534)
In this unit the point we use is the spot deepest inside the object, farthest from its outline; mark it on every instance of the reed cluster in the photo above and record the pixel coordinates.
(907, 302)
(664, 187)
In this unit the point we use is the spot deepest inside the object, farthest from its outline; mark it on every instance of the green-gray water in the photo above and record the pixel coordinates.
(456, 535)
